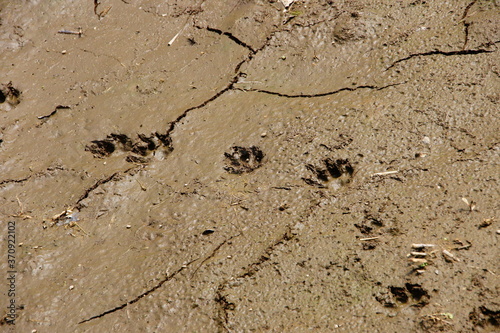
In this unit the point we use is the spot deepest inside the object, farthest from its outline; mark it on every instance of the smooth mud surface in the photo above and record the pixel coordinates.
(268, 169)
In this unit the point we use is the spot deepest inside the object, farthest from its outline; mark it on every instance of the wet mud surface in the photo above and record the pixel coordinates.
(235, 166)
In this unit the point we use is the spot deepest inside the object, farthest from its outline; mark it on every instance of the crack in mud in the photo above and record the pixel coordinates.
(438, 52)
(48, 172)
(97, 55)
(466, 24)
(165, 279)
(144, 294)
(213, 253)
(230, 36)
(328, 93)
(10, 181)
(203, 104)
(223, 305)
(115, 176)
(232, 82)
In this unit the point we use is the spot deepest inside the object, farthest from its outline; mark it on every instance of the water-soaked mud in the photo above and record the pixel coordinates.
(235, 166)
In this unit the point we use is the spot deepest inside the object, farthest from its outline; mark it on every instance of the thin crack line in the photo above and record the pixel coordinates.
(325, 93)
(231, 84)
(103, 55)
(211, 99)
(222, 304)
(437, 52)
(100, 182)
(213, 253)
(9, 181)
(230, 36)
(466, 24)
(467, 8)
(46, 172)
(144, 294)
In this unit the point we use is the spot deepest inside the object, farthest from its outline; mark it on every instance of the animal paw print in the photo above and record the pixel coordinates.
(9, 94)
(243, 159)
(339, 170)
(141, 148)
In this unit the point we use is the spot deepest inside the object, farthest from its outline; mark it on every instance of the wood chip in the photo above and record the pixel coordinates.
(369, 238)
(385, 173)
(419, 246)
(418, 260)
(449, 256)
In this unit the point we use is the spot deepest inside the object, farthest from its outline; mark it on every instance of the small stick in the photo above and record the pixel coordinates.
(21, 213)
(142, 187)
(418, 260)
(369, 238)
(418, 254)
(448, 255)
(81, 228)
(104, 12)
(177, 35)
(69, 32)
(385, 173)
(418, 246)
(471, 204)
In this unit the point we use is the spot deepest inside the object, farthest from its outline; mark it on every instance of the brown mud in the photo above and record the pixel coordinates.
(268, 169)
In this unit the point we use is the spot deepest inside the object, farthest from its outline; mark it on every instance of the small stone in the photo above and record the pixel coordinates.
(64, 51)
(128, 226)
(208, 232)
(264, 134)
(71, 287)
(498, 232)
(426, 140)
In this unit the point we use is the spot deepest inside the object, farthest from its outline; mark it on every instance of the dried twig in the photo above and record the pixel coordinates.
(21, 211)
(418, 260)
(419, 246)
(70, 32)
(177, 35)
(471, 204)
(385, 173)
(449, 256)
(369, 238)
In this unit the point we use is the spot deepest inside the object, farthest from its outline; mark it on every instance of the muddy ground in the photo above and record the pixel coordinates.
(267, 170)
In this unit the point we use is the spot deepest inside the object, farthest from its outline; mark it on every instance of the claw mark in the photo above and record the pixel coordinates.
(146, 293)
(437, 52)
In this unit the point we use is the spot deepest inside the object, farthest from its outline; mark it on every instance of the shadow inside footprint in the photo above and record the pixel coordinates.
(340, 169)
(243, 159)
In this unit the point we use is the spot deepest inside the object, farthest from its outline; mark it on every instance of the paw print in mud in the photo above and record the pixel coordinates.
(140, 148)
(339, 170)
(242, 159)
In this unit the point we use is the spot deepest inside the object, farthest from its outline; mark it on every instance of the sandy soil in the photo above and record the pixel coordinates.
(267, 170)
